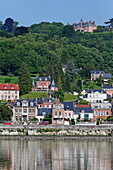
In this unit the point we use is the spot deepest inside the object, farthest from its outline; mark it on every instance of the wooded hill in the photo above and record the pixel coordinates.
(45, 47)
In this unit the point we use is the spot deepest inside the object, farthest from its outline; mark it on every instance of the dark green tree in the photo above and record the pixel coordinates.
(79, 84)
(5, 113)
(60, 95)
(67, 83)
(25, 82)
(100, 80)
(71, 70)
(109, 22)
(68, 31)
(20, 30)
(59, 83)
(8, 26)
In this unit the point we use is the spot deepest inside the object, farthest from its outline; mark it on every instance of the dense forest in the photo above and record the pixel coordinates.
(45, 47)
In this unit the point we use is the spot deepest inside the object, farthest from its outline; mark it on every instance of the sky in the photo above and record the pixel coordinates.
(28, 12)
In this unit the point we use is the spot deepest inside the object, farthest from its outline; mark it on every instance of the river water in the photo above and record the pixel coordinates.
(56, 155)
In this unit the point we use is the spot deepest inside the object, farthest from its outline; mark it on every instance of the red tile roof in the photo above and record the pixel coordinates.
(9, 87)
(84, 106)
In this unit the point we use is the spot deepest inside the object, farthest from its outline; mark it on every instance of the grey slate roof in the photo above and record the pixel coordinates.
(53, 84)
(95, 90)
(84, 24)
(107, 75)
(28, 100)
(78, 110)
(68, 105)
(107, 87)
(48, 111)
(97, 72)
(45, 99)
(43, 78)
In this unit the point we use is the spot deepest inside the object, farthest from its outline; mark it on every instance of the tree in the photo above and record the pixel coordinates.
(20, 30)
(8, 26)
(71, 70)
(5, 113)
(67, 83)
(1, 25)
(100, 80)
(59, 83)
(79, 84)
(99, 29)
(25, 82)
(68, 31)
(60, 95)
(109, 22)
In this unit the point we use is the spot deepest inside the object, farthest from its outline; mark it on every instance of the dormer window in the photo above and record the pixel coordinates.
(18, 103)
(44, 113)
(31, 104)
(24, 103)
(40, 79)
(67, 107)
(5, 87)
(45, 79)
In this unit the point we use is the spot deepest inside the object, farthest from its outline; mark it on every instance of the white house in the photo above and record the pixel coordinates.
(95, 96)
(9, 91)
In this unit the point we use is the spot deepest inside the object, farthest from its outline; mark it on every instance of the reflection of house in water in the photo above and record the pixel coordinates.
(56, 155)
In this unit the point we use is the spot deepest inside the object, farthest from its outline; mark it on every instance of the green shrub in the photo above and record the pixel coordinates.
(20, 130)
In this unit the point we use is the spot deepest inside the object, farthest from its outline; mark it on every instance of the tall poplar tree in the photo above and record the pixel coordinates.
(25, 81)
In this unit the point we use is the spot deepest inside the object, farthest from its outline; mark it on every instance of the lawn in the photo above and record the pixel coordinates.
(32, 95)
(70, 97)
(67, 96)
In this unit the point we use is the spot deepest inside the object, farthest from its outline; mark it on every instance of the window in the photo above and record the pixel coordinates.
(96, 113)
(60, 120)
(16, 110)
(31, 104)
(65, 114)
(20, 110)
(60, 113)
(29, 117)
(107, 113)
(30, 110)
(16, 118)
(101, 113)
(55, 113)
(24, 110)
(18, 103)
(33, 110)
(86, 116)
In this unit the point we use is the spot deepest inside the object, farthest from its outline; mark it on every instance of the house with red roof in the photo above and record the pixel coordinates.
(9, 91)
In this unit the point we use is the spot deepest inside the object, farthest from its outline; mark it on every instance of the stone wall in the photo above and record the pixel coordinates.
(57, 131)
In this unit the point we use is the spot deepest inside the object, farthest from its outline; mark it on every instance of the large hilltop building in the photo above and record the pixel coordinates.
(88, 26)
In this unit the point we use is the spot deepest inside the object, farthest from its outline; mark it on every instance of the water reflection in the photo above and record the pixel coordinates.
(56, 155)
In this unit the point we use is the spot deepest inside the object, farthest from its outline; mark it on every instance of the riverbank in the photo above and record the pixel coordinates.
(57, 132)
